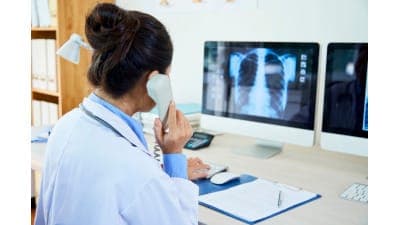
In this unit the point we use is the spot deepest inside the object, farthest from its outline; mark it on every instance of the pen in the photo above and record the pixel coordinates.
(279, 198)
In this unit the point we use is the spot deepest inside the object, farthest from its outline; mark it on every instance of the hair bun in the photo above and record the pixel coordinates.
(106, 25)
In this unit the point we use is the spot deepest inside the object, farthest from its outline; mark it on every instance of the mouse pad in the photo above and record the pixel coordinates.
(206, 186)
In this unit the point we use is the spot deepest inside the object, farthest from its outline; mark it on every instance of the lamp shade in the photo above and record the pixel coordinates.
(71, 48)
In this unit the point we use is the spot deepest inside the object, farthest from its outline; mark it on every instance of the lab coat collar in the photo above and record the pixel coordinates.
(116, 122)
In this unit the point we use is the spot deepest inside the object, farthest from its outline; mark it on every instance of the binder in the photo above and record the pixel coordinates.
(43, 13)
(53, 12)
(45, 116)
(53, 113)
(39, 61)
(34, 14)
(37, 113)
(51, 65)
(259, 196)
(35, 51)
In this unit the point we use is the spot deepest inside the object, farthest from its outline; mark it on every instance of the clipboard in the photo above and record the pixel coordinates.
(207, 189)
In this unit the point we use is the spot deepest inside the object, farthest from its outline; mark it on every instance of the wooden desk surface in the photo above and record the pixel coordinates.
(323, 172)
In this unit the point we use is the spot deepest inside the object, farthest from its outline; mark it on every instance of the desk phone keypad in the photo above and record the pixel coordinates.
(199, 140)
(356, 192)
(194, 142)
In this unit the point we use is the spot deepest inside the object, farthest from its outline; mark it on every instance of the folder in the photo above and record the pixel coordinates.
(252, 200)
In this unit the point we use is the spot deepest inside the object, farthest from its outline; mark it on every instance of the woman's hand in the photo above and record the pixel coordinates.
(178, 134)
(197, 169)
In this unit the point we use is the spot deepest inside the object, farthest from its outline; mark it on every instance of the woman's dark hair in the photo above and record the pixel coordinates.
(126, 44)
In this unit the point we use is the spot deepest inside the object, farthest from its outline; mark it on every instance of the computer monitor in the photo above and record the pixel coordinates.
(345, 116)
(264, 90)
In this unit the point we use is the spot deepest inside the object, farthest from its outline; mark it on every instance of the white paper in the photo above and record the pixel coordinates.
(255, 200)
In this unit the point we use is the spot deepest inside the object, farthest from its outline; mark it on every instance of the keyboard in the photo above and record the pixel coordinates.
(215, 168)
(356, 192)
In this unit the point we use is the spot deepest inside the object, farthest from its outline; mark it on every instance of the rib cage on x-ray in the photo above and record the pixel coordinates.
(253, 90)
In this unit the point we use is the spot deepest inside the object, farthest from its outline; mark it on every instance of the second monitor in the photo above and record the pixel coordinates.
(265, 90)
(345, 123)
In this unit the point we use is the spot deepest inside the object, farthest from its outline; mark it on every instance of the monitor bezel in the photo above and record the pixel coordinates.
(341, 131)
(313, 46)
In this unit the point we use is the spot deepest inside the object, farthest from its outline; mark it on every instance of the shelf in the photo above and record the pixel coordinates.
(43, 95)
(43, 32)
(44, 29)
(71, 78)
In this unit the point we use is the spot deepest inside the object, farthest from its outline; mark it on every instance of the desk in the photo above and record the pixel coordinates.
(323, 172)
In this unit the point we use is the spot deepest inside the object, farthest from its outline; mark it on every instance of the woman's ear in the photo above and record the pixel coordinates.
(152, 73)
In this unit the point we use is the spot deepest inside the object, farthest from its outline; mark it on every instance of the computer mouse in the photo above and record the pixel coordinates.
(223, 177)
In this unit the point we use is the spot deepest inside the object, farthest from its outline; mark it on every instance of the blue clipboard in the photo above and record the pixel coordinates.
(206, 187)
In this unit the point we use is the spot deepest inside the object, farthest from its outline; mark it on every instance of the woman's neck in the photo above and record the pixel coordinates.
(125, 104)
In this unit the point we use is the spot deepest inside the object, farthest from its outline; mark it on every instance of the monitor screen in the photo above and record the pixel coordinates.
(346, 93)
(267, 82)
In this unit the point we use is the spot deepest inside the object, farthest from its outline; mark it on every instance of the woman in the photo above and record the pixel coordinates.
(98, 169)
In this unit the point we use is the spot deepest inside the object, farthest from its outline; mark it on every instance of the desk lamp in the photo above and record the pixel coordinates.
(71, 48)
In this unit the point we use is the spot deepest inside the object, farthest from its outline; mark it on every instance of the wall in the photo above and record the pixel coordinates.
(273, 20)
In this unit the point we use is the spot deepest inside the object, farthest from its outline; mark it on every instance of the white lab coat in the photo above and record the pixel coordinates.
(93, 176)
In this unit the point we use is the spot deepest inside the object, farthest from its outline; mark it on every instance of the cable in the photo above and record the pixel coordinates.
(156, 149)
(157, 152)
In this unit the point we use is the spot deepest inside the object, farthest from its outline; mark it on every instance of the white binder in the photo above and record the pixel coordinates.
(51, 65)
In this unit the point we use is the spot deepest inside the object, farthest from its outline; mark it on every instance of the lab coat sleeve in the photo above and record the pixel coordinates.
(167, 201)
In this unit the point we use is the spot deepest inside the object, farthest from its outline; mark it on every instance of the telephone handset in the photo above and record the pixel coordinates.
(159, 89)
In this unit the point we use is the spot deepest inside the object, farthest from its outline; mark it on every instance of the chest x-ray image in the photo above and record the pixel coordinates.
(260, 82)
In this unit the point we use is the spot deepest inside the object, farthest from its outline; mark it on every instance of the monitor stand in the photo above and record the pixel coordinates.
(261, 149)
